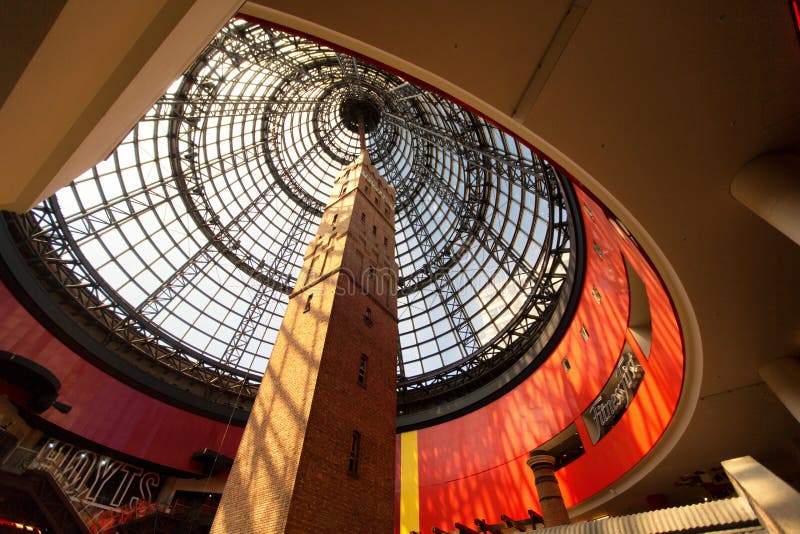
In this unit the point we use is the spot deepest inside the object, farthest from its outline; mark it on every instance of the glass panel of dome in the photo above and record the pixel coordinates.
(197, 223)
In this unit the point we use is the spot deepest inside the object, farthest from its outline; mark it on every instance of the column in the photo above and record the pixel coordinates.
(775, 502)
(769, 185)
(553, 510)
(783, 378)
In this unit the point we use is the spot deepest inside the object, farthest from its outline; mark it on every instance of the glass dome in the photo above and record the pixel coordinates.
(183, 245)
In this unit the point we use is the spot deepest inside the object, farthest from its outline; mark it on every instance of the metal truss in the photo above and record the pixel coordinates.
(227, 176)
(263, 300)
(542, 283)
(40, 237)
(456, 313)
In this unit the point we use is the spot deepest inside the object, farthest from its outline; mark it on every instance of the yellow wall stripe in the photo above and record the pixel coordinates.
(409, 483)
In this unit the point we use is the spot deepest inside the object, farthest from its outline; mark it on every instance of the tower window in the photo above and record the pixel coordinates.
(385, 241)
(308, 303)
(335, 216)
(584, 333)
(368, 316)
(374, 230)
(596, 294)
(362, 371)
(355, 445)
(363, 218)
(371, 281)
(565, 364)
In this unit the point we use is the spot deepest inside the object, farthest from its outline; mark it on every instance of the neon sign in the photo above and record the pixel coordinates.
(96, 480)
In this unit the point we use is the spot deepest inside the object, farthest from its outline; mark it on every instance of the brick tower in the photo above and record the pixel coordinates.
(318, 451)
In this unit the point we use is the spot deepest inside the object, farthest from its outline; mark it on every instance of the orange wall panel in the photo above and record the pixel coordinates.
(474, 466)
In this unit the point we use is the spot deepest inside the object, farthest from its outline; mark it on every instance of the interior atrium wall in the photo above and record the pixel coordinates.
(472, 466)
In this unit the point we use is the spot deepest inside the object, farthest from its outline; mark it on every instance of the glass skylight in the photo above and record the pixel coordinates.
(189, 237)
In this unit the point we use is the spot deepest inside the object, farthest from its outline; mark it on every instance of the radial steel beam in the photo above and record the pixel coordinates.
(265, 296)
(457, 314)
(51, 244)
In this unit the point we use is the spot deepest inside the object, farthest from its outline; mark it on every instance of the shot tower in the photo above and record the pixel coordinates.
(318, 452)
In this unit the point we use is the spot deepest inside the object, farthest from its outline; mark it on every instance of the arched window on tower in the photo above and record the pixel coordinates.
(362, 371)
(371, 281)
(355, 445)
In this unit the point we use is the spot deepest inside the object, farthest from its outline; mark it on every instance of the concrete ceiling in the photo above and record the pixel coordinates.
(653, 107)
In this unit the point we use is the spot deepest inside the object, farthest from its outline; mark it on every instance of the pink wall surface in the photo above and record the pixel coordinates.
(105, 410)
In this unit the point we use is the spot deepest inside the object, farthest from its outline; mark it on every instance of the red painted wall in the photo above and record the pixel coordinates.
(470, 467)
(474, 466)
(105, 410)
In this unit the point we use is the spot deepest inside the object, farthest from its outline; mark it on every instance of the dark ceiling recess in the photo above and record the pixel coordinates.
(179, 251)
(36, 388)
(213, 462)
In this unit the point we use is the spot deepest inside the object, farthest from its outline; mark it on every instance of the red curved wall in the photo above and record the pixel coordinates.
(470, 467)
(474, 466)
(105, 410)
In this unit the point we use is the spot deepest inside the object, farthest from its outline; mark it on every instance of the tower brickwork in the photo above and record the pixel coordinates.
(319, 447)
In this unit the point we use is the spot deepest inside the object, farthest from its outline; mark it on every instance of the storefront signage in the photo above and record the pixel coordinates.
(94, 479)
(615, 397)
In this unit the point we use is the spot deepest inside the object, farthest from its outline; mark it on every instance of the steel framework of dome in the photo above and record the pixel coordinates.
(178, 252)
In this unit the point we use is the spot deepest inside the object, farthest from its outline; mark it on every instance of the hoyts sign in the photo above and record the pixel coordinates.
(94, 479)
